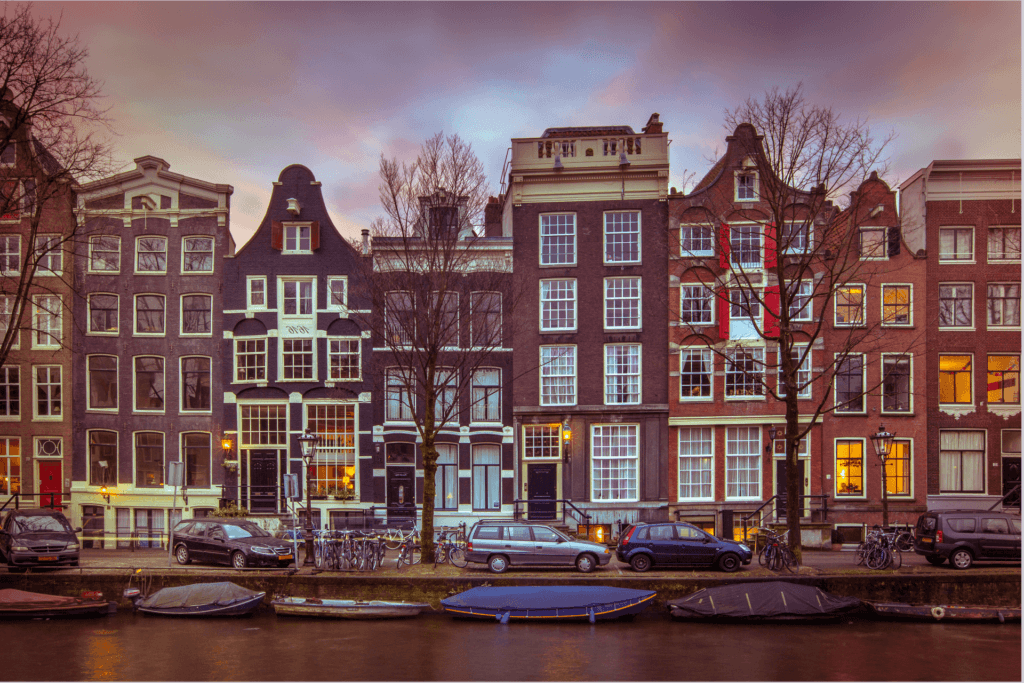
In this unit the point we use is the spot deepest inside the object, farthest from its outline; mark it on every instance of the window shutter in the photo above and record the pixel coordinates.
(314, 235)
(723, 315)
(771, 311)
(894, 242)
(276, 235)
(723, 245)
(770, 246)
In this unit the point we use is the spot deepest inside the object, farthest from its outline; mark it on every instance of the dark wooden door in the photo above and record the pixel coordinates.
(1011, 481)
(782, 496)
(541, 490)
(263, 481)
(49, 484)
(401, 492)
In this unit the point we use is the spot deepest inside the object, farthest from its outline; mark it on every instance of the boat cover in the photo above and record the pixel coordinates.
(197, 594)
(513, 598)
(11, 596)
(765, 600)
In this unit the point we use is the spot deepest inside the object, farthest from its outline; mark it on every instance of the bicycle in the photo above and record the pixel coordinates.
(409, 553)
(905, 539)
(776, 554)
(451, 546)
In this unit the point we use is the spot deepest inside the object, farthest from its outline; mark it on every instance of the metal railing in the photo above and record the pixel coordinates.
(567, 508)
(46, 500)
(773, 515)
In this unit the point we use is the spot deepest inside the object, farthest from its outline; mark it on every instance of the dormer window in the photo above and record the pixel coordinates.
(746, 186)
(296, 238)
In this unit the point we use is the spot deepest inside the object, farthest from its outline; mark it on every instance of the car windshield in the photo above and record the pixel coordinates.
(30, 525)
(244, 530)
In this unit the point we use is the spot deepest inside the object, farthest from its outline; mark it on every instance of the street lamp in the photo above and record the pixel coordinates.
(772, 433)
(566, 441)
(307, 442)
(882, 441)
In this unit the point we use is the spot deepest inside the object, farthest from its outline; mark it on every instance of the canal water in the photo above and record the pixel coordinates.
(135, 647)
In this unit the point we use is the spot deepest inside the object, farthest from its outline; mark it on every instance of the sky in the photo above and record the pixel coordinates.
(234, 92)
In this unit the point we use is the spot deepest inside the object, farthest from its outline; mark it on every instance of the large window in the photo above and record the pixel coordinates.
(149, 459)
(151, 254)
(896, 307)
(485, 319)
(622, 303)
(264, 425)
(335, 425)
(696, 304)
(486, 395)
(297, 359)
(696, 240)
(622, 237)
(487, 477)
(48, 390)
(49, 254)
(849, 306)
(149, 383)
(197, 314)
(850, 384)
(337, 294)
(197, 255)
(443, 309)
(745, 246)
(446, 478)
(742, 462)
(149, 314)
(104, 254)
(795, 238)
(961, 461)
(344, 359)
(102, 458)
(744, 371)
(1004, 244)
(898, 469)
(955, 379)
(557, 375)
(801, 356)
(956, 307)
(695, 368)
(6, 312)
(695, 461)
(446, 405)
(400, 318)
(10, 465)
(896, 384)
(102, 372)
(874, 243)
(557, 305)
(956, 244)
(10, 391)
(103, 313)
(196, 447)
(46, 321)
(10, 254)
(615, 455)
(542, 442)
(250, 360)
(298, 297)
(849, 468)
(1004, 379)
(195, 384)
(1004, 305)
(558, 240)
(621, 374)
(801, 307)
(256, 292)
(401, 397)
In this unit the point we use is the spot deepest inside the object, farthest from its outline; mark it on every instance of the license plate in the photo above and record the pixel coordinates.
(925, 539)
(47, 558)
(284, 557)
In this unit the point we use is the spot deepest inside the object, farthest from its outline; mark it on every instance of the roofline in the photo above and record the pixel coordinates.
(97, 186)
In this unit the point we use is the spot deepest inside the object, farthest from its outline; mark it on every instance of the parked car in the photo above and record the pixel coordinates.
(38, 537)
(501, 544)
(236, 542)
(965, 536)
(679, 544)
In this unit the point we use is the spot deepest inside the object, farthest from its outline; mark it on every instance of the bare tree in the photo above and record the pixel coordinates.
(794, 164)
(440, 295)
(51, 138)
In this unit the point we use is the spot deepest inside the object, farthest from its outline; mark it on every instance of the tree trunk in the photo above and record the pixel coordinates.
(794, 482)
(427, 528)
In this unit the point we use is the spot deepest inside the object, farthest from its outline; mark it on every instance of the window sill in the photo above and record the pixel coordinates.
(151, 336)
(849, 413)
(102, 334)
(557, 265)
(149, 412)
(565, 331)
(196, 272)
(1004, 410)
(10, 418)
(195, 412)
(851, 496)
(745, 398)
(193, 335)
(1003, 328)
(1003, 262)
(696, 399)
(898, 326)
(102, 411)
(103, 272)
(958, 328)
(151, 272)
(957, 262)
(956, 409)
(47, 418)
(898, 413)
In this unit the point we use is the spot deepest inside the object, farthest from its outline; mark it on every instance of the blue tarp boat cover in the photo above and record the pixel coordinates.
(197, 594)
(515, 598)
(763, 600)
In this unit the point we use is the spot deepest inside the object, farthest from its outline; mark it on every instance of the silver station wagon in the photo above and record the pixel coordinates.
(501, 544)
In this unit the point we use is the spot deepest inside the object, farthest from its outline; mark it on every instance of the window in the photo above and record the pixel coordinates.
(149, 383)
(485, 319)
(558, 240)
(297, 239)
(46, 321)
(1004, 244)
(896, 383)
(696, 240)
(149, 314)
(195, 384)
(621, 303)
(746, 186)
(149, 459)
(849, 306)
(197, 255)
(745, 246)
(622, 237)
(849, 468)
(955, 380)
(557, 305)
(298, 297)
(443, 308)
(801, 308)
(850, 384)
(542, 442)
(151, 255)
(48, 254)
(256, 292)
(10, 465)
(557, 375)
(446, 478)
(744, 369)
(695, 460)
(1004, 305)
(337, 294)
(10, 254)
(744, 305)
(102, 458)
(10, 201)
(896, 305)
(400, 320)
(10, 391)
(1004, 379)
(196, 448)
(695, 304)
(615, 455)
(621, 374)
(695, 366)
(48, 391)
(446, 406)
(401, 399)
(795, 238)
(103, 313)
(486, 395)
(335, 425)
(250, 360)
(961, 461)
(264, 425)
(956, 305)
(102, 371)
(104, 254)
(956, 244)
(344, 360)
(487, 477)
(297, 359)
(801, 356)
(8, 155)
(742, 462)
(6, 311)
(196, 314)
(874, 243)
(898, 469)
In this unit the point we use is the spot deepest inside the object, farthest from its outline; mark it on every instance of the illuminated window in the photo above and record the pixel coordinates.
(542, 442)
(955, 380)
(335, 465)
(1004, 379)
(896, 305)
(849, 468)
(849, 306)
(898, 467)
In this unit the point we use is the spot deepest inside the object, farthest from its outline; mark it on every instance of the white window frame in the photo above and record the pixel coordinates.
(756, 381)
(704, 302)
(250, 290)
(736, 185)
(746, 229)
(282, 282)
(493, 338)
(135, 459)
(1003, 258)
(483, 398)
(47, 326)
(989, 371)
(639, 240)
(636, 303)
(398, 393)
(6, 254)
(982, 476)
(184, 458)
(837, 404)
(910, 303)
(88, 384)
(340, 352)
(139, 252)
(135, 389)
(801, 229)
(284, 369)
(11, 408)
(292, 233)
(254, 354)
(863, 493)
(701, 233)
(746, 489)
(945, 257)
(989, 309)
(181, 385)
(863, 305)
(803, 373)
(554, 374)
(804, 290)
(705, 357)
(135, 316)
(6, 311)
(958, 287)
(112, 469)
(48, 252)
(632, 375)
(185, 252)
(896, 357)
(181, 315)
(37, 387)
(542, 442)
(331, 304)
(970, 383)
(626, 465)
(95, 241)
(541, 236)
(549, 305)
(705, 458)
(882, 249)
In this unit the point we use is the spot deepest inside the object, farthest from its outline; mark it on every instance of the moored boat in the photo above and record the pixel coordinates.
(547, 602)
(901, 611)
(219, 599)
(16, 604)
(346, 609)
(763, 601)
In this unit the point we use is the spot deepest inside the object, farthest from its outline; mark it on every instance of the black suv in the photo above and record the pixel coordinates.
(964, 536)
(678, 544)
(38, 537)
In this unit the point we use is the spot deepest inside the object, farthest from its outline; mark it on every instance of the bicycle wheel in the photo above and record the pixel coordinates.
(761, 559)
(789, 559)
(318, 555)
(878, 558)
(440, 553)
(772, 558)
(457, 556)
(862, 552)
(905, 542)
(393, 539)
(897, 558)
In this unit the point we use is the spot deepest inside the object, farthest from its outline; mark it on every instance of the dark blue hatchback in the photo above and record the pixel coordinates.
(678, 544)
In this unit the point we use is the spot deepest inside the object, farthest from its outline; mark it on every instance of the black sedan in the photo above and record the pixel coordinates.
(38, 538)
(679, 544)
(236, 542)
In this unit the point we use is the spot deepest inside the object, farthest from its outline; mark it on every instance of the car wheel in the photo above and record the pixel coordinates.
(181, 555)
(729, 562)
(497, 563)
(640, 563)
(586, 563)
(238, 559)
(935, 559)
(961, 558)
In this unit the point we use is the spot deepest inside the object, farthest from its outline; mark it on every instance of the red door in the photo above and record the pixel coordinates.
(49, 484)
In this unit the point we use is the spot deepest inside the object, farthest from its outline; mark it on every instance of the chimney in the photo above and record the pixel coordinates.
(653, 125)
(492, 218)
(366, 241)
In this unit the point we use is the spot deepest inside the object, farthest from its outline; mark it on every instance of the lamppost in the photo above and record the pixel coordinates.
(307, 442)
(882, 441)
